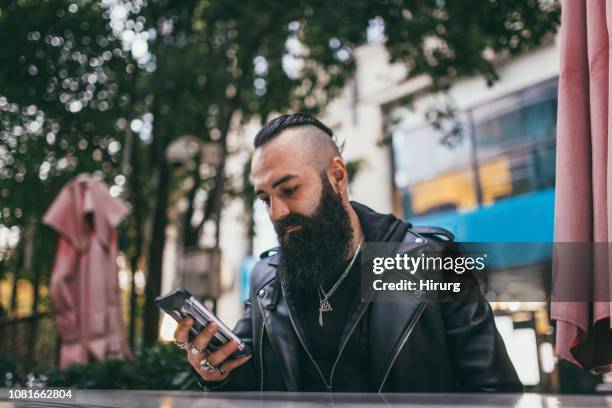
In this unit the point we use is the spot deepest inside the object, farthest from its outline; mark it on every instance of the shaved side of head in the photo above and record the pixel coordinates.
(316, 146)
(312, 139)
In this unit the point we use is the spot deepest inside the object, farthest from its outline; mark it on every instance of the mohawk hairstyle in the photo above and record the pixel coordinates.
(277, 125)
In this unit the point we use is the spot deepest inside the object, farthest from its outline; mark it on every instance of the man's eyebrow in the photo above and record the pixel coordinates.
(279, 182)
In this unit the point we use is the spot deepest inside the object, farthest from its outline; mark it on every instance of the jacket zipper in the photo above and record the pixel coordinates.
(303, 344)
(263, 327)
(401, 345)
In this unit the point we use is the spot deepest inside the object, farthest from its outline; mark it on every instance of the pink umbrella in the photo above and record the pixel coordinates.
(583, 208)
(84, 282)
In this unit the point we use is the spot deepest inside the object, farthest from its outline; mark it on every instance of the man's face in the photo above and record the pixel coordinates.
(311, 222)
(284, 180)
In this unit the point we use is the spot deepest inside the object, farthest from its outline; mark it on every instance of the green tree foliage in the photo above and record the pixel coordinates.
(60, 101)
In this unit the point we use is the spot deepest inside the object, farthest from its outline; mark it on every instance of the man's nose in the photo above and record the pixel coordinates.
(278, 210)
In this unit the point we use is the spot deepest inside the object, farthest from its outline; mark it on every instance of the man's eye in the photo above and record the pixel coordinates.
(266, 200)
(289, 191)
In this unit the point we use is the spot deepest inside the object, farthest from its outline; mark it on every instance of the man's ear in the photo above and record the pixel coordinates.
(339, 174)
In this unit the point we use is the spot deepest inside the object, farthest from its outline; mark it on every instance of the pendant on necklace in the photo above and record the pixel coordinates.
(324, 306)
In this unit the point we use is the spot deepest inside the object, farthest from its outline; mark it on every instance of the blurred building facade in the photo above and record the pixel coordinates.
(498, 147)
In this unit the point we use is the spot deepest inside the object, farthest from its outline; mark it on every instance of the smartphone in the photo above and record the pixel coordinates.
(179, 304)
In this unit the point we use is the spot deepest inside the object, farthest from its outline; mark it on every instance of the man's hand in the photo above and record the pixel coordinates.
(196, 353)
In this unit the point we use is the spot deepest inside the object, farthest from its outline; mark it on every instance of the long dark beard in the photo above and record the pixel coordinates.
(315, 253)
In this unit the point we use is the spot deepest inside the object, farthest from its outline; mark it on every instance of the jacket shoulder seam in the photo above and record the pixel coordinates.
(263, 274)
(436, 231)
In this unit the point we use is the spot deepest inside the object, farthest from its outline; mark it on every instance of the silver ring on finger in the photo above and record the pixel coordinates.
(181, 344)
(206, 366)
(195, 350)
(221, 369)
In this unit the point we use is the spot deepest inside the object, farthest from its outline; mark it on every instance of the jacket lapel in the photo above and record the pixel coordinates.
(277, 321)
(386, 340)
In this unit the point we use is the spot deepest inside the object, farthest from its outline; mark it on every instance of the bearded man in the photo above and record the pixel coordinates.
(305, 320)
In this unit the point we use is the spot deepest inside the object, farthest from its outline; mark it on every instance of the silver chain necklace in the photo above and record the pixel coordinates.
(324, 305)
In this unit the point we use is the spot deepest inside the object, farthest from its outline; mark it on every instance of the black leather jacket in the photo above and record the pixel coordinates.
(413, 347)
